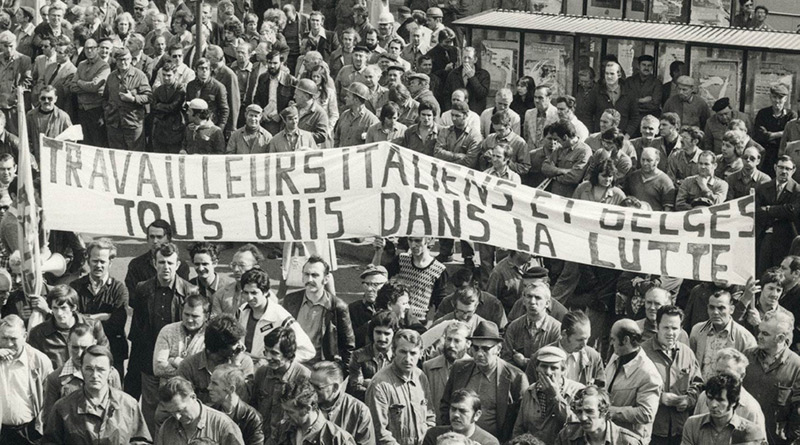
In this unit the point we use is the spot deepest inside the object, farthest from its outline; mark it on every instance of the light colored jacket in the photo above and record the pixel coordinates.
(635, 393)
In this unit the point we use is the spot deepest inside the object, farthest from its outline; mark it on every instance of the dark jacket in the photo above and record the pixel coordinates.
(249, 421)
(47, 338)
(780, 215)
(477, 87)
(228, 79)
(143, 334)
(509, 393)
(112, 299)
(167, 117)
(627, 105)
(363, 365)
(338, 340)
(214, 93)
(285, 93)
(141, 269)
(327, 434)
(327, 43)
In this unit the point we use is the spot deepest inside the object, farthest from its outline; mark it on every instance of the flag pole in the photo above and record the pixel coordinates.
(28, 217)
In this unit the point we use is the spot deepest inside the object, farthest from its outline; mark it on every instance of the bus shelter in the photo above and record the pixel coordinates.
(740, 64)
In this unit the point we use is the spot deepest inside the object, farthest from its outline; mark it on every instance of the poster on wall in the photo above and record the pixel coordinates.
(499, 58)
(546, 6)
(625, 56)
(768, 75)
(666, 11)
(668, 54)
(717, 79)
(711, 12)
(545, 63)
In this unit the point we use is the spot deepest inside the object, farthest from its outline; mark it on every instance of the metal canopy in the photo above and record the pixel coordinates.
(633, 29)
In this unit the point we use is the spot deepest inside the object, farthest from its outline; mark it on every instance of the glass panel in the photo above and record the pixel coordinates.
(549, 60)
(668, 53)
(673, 11)
(589, 54)
(711, 12)
(498, 53)
(627, 51)
(604, 8)
(575, 7)
(635, 9)
(548, 6)
(765, 70)
(718, 73)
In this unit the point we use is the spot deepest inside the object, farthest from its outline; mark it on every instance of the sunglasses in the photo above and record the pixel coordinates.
(485, 349)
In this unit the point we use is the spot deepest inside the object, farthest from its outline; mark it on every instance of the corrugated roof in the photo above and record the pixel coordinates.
(633, 29)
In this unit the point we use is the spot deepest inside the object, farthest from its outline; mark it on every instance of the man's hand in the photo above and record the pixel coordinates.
(100, 317)
(469, 71)
(175, 361)
(520, 360)
(126, 97)
(6, 354)
(39, 304)
(682, 403)
(548, 385)
(753, 317)
(378, 243)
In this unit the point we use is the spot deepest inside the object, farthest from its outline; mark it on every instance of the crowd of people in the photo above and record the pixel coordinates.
(504, 348)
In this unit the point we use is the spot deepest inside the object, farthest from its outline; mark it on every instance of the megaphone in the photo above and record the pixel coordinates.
(56, 265)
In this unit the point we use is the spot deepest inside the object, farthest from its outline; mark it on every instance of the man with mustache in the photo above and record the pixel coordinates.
(438, 368)
(376, 355)
(465, 410)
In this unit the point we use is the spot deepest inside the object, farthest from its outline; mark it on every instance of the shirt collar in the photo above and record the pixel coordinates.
(325, 301)
(69, 369)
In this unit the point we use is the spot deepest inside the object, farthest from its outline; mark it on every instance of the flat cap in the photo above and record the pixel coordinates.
(550, 354)
(385, 17)
(404, 10)
(685, 81)
(254, 108)
(434, 12)
(420, 76)
(28, 11)
(779, 90)
(7, 36)
(536, 273)
(198, 104)
(374, 270)
(721, 104)
(361, 49)
(142, 3)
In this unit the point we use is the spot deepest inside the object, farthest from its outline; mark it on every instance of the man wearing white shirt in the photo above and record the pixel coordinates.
(502, 102)
(538, 117)
(566, 113)
(473, 121)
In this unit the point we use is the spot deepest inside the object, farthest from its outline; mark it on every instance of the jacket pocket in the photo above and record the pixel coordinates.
(784, 393)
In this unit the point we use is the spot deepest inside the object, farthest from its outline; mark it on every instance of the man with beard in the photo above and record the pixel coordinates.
(679, 370)
(179, 340)
(281, 368)
(438, 368)
(545, 406)
(322, 315)
(205, 258)
(104, 298)
(646, 87)
(650, 184)
(336, 406)
(46, 119)
(372, 279)
(375, 355)
(720, 331)
(465, 411)
(228, 297)
(142, 268)
(481, 373)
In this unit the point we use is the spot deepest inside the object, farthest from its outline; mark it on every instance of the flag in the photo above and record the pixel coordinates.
(28, 217)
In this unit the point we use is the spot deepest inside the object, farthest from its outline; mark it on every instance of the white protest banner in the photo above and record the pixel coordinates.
(385, 190)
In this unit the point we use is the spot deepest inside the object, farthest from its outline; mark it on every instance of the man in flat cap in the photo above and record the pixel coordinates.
(646, 87)
(202, 136)
(352, 73)
(419, 85)
(545, 404)
(771, 122)
(372, 280)
(692, 110)
(126, 96)
(498, 384)
(353, 123)
(291, 138)
(252, 138)
(313, 118)
(718, 124)
(434, 21)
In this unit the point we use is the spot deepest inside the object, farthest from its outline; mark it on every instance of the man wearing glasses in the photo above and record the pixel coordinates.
(776, 215)
(372, 280)
(499, 385)
(47, 118)
(88, 85)
(228, 298)
(183, 74)
(749, 177)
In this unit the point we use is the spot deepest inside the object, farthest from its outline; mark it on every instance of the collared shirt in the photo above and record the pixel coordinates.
(705, 340)
(519, 159)
(776, 386)
(459, 146)
(399, 406)
(243, 142)
(485, 385)
(377, 133)
(227, 299)
(725, 169)
(573, 434)
(351, 128)
(117, 419)
(695, 112)
(508, 175)
(208, 290)
(690, 189)
(211, 424)
(267, 392)
(310, 319)
(175, 341)
(90, 82)
(413, 139)
(505, 279)
(543, 415)
(122, 114)
(700, 430)
(526, 337)
(473, 121)
(680, 165)
(351, 415)
(747, 408)
(16, 405)
(576, 159)
(634, 391)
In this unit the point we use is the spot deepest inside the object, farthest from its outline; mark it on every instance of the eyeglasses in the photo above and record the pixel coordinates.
(319, 387)
(47, 99)
(484, 349)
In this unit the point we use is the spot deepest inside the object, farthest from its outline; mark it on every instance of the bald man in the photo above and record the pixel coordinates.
(632, 380)
(650, 184)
